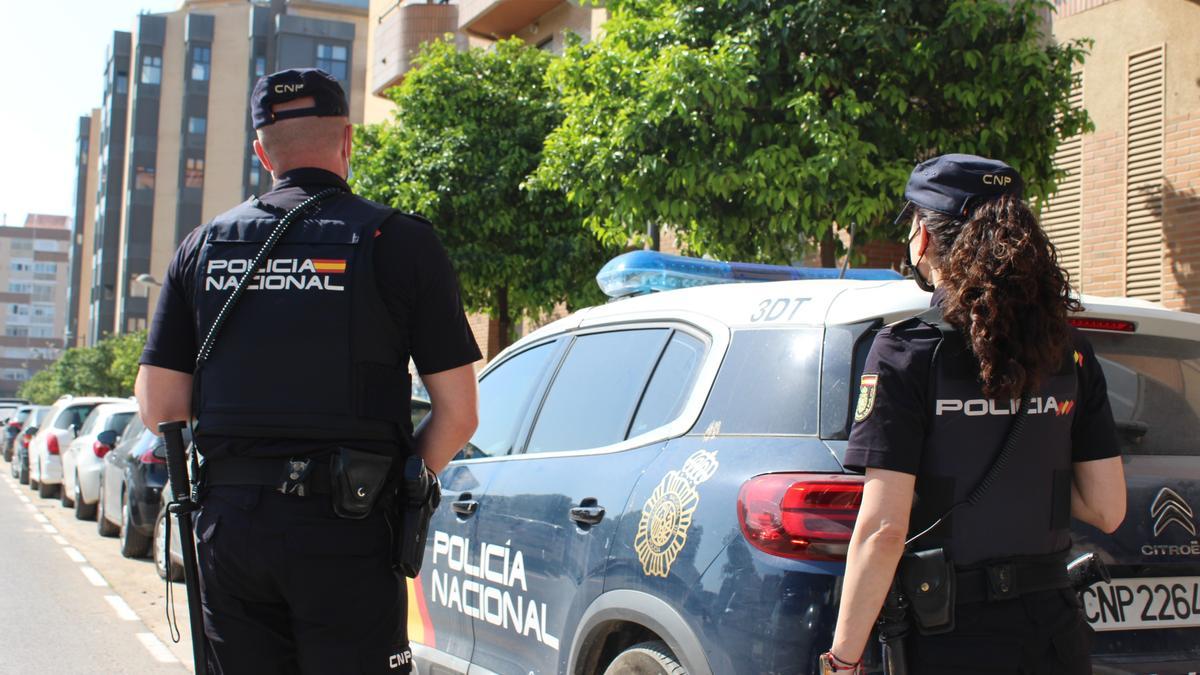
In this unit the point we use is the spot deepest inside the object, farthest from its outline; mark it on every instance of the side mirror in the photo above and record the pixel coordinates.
(74, 431)
(107, 437)
(31, 431)
(160, 450)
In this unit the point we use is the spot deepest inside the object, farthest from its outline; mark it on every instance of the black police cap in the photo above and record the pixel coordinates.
(289, 85)
(950, 183)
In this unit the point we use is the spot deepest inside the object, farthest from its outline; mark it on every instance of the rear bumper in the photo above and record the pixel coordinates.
(51, 470)
(89, 481)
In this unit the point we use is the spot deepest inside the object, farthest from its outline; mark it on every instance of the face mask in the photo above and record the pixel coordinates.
(910, 267)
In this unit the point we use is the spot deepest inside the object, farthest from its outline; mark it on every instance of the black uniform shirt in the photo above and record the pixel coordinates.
(413, 274)
(893, 435)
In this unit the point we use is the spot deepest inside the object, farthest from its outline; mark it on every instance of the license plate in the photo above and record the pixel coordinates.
(1138, 604)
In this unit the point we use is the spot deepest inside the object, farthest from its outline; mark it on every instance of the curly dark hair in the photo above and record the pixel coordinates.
(1005, 291)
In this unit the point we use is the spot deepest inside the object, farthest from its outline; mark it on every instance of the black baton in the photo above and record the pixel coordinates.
(182, 507)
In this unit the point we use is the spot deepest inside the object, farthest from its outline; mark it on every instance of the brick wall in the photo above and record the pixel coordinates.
(1102, 249)
(1181, 213)
(883, 254)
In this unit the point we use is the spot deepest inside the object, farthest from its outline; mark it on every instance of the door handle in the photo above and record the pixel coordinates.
(588, 512)
(465, 507)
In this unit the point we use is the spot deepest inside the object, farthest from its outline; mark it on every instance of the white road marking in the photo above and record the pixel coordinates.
(50, 528)
(74, 554)
(93, 576)
(40, 518)
(156, 648)
(61, 541)
(31, 507)
(124, 611)
(25, 499)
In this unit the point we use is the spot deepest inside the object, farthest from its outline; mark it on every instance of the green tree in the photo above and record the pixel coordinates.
(753, 126)
(107, 369)
(469, 129)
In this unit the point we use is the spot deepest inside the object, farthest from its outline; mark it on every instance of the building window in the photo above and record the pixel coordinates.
(20, 287)
(22, 244)
(18, 310)
(16, 331)
(144, 178)
(260, 66)
(193, 173)
(43, 293)
(45, 245)
(332, 59)
(201, 61)
(255, 175)
(41, 331)
(45, 268)
(197, 125)
(122, 83)
(19, 266)
(151, 69)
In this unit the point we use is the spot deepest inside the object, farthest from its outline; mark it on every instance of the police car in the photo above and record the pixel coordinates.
(656, 484)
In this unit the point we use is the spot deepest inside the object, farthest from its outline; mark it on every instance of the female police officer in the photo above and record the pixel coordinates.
(939, 397)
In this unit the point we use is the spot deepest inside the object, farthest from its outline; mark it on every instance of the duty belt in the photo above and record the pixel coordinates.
(1008, 580)
(299, 476)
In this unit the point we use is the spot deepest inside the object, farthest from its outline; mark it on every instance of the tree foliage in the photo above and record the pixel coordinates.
(107, 369)
(468, 130)
(752, 126)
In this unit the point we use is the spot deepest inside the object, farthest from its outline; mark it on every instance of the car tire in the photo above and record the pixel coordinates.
(23, 474)
(105, 528)
(82, 511)
(646, 658)
(134, 544)
(166, 568)
(33, 484)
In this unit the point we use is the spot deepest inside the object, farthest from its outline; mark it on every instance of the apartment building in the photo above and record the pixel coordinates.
(79, 282)
(1126, 218)
(175, 133)
(34, 269)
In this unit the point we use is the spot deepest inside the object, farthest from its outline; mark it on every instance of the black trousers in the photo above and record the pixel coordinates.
(1041, 633)
(289, 587)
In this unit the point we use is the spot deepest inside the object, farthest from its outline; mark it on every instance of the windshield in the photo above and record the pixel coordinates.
(1154, 390)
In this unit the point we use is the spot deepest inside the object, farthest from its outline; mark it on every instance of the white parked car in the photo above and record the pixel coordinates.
(59, 428)
(83, 458)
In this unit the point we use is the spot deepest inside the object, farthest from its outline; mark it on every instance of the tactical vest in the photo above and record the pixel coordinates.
(310, 351)
(1027, 511)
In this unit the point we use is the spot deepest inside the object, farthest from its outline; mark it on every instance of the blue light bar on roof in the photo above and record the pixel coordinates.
(642, 272)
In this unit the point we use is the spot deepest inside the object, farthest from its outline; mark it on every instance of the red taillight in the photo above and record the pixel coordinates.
(149, 458)
(1103, 324)
(100, 449)
(52, 444)
(802, 516)
(25, 441)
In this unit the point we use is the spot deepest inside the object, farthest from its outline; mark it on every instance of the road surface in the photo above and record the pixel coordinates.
(69, 603)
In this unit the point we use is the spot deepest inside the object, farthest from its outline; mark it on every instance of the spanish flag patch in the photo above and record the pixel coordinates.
(326, 266)
(866, 397)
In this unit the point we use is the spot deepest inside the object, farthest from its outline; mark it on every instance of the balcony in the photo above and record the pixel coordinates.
(501, 18)
(401, 31)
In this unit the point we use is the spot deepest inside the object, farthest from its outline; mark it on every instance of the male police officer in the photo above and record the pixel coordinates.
(308, 379)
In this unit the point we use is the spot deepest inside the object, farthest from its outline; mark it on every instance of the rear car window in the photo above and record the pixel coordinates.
(671, 384)
(73, 415)
(767, 384)
(118, 422)
(594, 396)
(89, 422)
(1154, 390)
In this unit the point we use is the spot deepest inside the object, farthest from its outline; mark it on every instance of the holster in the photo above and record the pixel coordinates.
(417, 499)
(928, 582)
(357, 480)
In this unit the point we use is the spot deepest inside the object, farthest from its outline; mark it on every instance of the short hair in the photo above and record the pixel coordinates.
(294, 142)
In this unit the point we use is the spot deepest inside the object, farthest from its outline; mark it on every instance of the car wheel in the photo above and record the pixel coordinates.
(82, 511)
(646, 658)
(166, 568)
(105, 528)
(23, 474)
(134, 544)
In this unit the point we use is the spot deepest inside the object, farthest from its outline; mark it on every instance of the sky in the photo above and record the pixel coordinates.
(53, 54)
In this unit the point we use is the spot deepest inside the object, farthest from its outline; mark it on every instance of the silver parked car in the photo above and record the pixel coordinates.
(83, 459)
